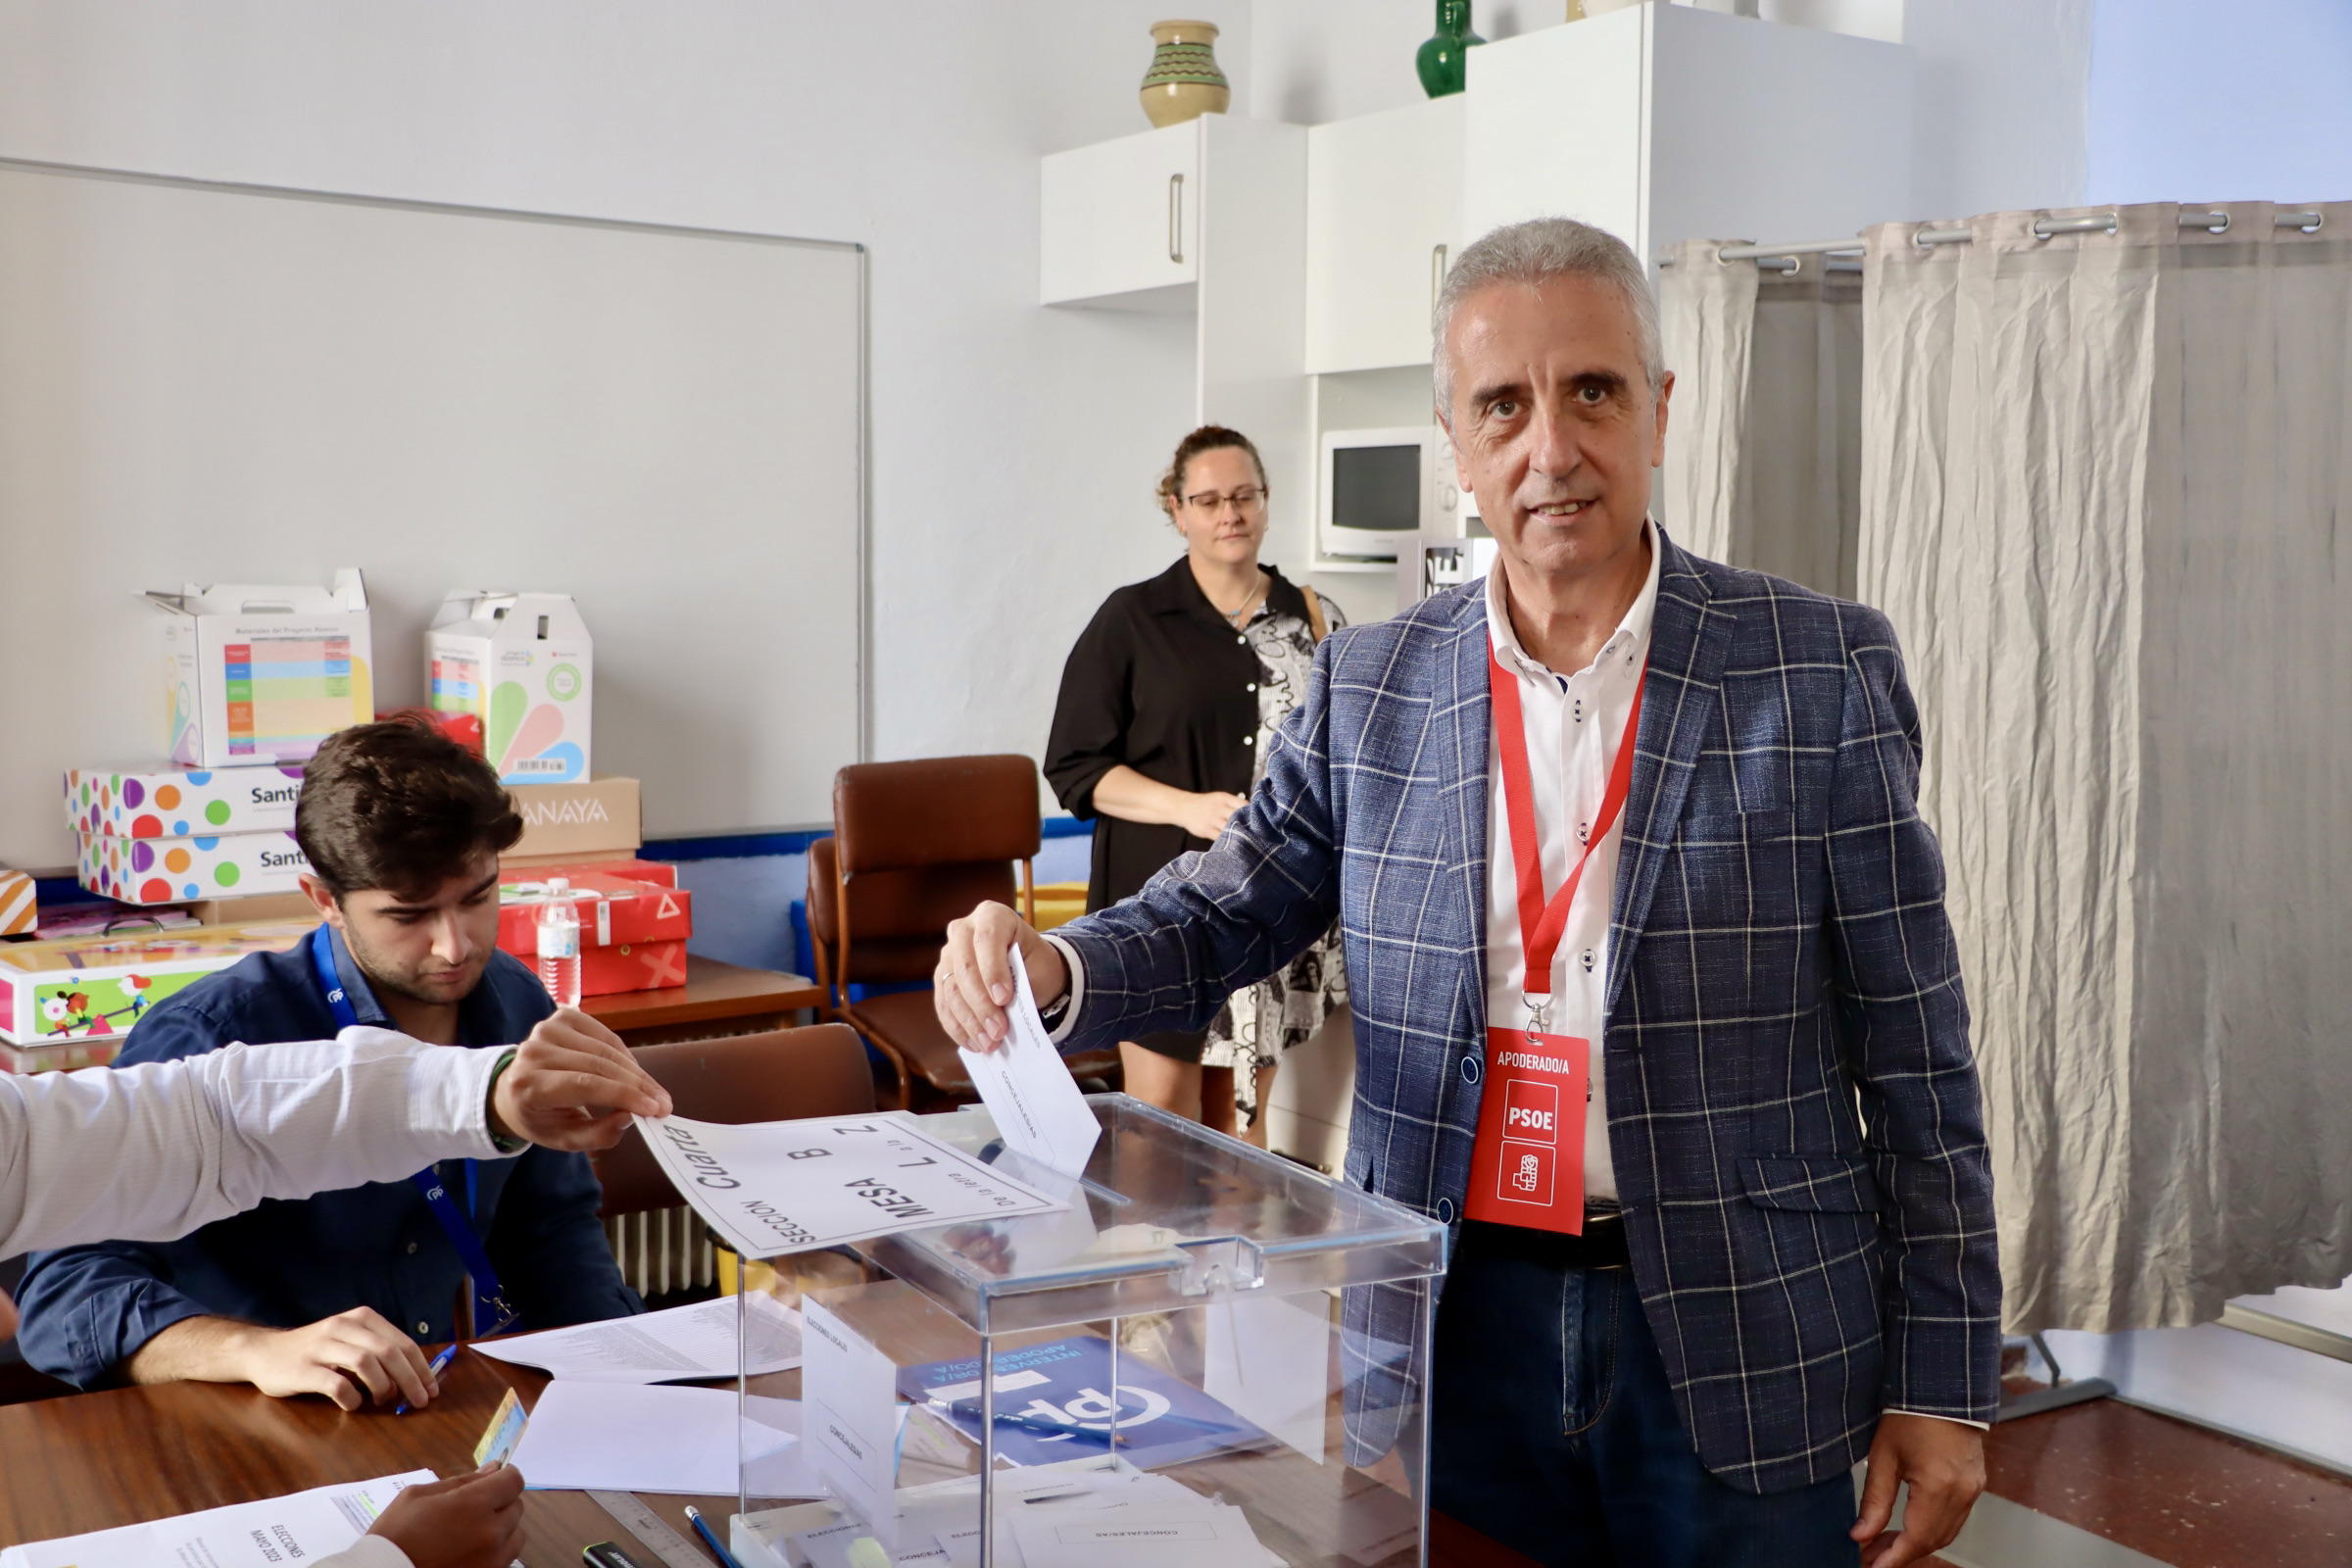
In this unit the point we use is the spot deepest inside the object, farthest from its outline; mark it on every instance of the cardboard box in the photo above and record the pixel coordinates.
(20, 912)
(257, 674)
(98, 917)
(156, 802)
(523, 665)
(612, 911)
(631, 967)
(595, 819)
(245, 911)
(95, 988)
(174, 870)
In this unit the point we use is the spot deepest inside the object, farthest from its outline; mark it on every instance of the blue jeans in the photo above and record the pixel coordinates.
(1554, 1432)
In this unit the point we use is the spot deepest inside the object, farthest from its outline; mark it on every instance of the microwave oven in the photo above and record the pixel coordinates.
(1377, 488)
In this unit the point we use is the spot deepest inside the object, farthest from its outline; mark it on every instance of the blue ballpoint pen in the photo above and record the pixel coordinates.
(438, 1365)
(701, 1528)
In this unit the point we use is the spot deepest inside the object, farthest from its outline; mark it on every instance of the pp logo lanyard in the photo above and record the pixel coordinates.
(1527, 1166)
(489, 1298)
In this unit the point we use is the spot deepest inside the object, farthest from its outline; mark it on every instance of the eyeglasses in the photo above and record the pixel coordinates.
(1249, 498)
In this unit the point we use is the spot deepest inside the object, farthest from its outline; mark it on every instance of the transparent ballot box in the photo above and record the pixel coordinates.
(1212, 1358)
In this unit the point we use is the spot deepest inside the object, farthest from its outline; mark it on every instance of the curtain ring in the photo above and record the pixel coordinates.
(2222, 228)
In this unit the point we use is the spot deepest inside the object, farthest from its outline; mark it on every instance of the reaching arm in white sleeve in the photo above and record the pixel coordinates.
(151, 1153)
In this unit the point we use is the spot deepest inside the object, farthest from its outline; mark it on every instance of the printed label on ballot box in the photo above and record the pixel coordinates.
(1528, 1165)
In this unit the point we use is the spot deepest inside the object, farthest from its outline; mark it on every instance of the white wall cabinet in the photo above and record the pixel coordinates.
(1384, 212)
(1663, 122)
(1121, 219)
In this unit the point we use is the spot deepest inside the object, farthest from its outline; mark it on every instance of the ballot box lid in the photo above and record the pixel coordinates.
(1168, 1216)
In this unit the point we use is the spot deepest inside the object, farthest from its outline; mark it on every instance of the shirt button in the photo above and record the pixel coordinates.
(1444, 1211)
(1248, 740)
(423, 1329)
(1469, 1070)
(1253, 686)
(1588, 960)
(411, 1249)
(1243, 641)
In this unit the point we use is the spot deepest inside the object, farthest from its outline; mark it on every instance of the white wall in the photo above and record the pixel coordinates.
(2247, 102)
(1014, 448)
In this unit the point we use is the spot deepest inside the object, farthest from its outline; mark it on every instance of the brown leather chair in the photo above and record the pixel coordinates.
(914, 845)
(817, 1071)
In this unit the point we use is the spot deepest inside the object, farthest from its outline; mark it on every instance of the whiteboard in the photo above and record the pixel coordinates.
(221, 383)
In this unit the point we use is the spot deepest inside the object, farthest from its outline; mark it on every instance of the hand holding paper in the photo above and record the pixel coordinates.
(1029, 1091)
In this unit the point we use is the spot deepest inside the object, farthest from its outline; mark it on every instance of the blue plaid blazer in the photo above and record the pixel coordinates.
(1793, 1102)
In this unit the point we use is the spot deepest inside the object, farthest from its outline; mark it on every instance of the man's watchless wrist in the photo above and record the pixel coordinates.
(506, 1142)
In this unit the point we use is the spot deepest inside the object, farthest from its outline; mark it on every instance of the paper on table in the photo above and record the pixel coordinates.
(305, 1526)
(850, 1413)
(789, 1186)
(628, 1437)
(1198, 1535)
(676, 1345)
(1028, 1090)
(1270, 1358)
(1020, 1495)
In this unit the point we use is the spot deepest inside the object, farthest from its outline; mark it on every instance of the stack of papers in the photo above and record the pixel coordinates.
(620, 1436)
(301, 1528)
(679, 1344)
(1091, 1513)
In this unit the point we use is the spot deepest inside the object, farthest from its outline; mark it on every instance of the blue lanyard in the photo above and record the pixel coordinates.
(489, 1298)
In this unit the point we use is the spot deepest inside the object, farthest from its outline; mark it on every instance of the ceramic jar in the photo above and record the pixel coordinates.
(1184, 82)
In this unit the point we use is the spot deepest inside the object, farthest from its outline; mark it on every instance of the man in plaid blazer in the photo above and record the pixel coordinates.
(1797, 1265)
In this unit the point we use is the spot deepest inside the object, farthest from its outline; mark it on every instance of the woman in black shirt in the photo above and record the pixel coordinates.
(1168, 702)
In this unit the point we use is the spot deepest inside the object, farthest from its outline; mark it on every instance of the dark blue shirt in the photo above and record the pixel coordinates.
(286, 1265)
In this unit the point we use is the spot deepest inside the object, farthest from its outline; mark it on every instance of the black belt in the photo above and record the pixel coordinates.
(1601, 1246)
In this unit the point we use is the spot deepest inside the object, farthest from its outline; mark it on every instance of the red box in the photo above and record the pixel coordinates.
(614, 911)
(631, 967)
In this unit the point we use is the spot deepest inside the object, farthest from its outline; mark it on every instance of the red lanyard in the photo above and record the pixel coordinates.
(1542, 922)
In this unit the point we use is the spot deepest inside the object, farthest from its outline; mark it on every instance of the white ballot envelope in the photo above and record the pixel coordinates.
(1029, 1092)
(678, 1344)
(790, 1185)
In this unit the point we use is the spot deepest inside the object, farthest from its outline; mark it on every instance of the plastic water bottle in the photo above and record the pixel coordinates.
(559, 944)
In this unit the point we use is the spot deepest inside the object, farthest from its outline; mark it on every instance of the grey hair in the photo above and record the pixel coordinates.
(1534, 253)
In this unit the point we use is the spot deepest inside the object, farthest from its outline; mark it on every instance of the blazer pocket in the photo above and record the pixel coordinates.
(1810, 1183)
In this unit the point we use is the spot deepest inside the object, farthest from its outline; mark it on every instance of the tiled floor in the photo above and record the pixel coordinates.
(2183, 1494)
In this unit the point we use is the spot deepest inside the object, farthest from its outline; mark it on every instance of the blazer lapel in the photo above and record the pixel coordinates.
(1463, 733)
(1689, 639)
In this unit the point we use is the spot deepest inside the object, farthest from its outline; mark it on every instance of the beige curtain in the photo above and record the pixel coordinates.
(1763, 454)
(2106, 502)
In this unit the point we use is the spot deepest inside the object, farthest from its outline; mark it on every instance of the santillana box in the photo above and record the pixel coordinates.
(523, 665)
(86, 992)
(174, 870)
(256, 673)
(156, 802)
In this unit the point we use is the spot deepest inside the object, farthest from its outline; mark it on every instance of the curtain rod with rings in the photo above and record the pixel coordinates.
(1764, 256)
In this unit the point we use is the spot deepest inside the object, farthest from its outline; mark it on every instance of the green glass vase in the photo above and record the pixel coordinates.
(1441, 60)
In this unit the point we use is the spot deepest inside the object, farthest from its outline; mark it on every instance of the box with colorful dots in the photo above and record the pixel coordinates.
(177, 803)
(174, 870)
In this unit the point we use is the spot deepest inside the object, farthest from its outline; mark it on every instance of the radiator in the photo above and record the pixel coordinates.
(662, 1250)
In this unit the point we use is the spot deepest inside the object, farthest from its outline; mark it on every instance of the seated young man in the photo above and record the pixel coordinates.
(333, 1294)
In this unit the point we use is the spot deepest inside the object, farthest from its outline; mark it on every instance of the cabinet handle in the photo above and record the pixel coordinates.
(1176, 218)
(1437, 276)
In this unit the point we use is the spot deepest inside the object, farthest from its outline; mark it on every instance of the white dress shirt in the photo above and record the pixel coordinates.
(151, 1153)
(1574, 725)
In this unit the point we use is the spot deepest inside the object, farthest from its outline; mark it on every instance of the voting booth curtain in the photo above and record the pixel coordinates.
(1763, 445)
(2106, 501)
